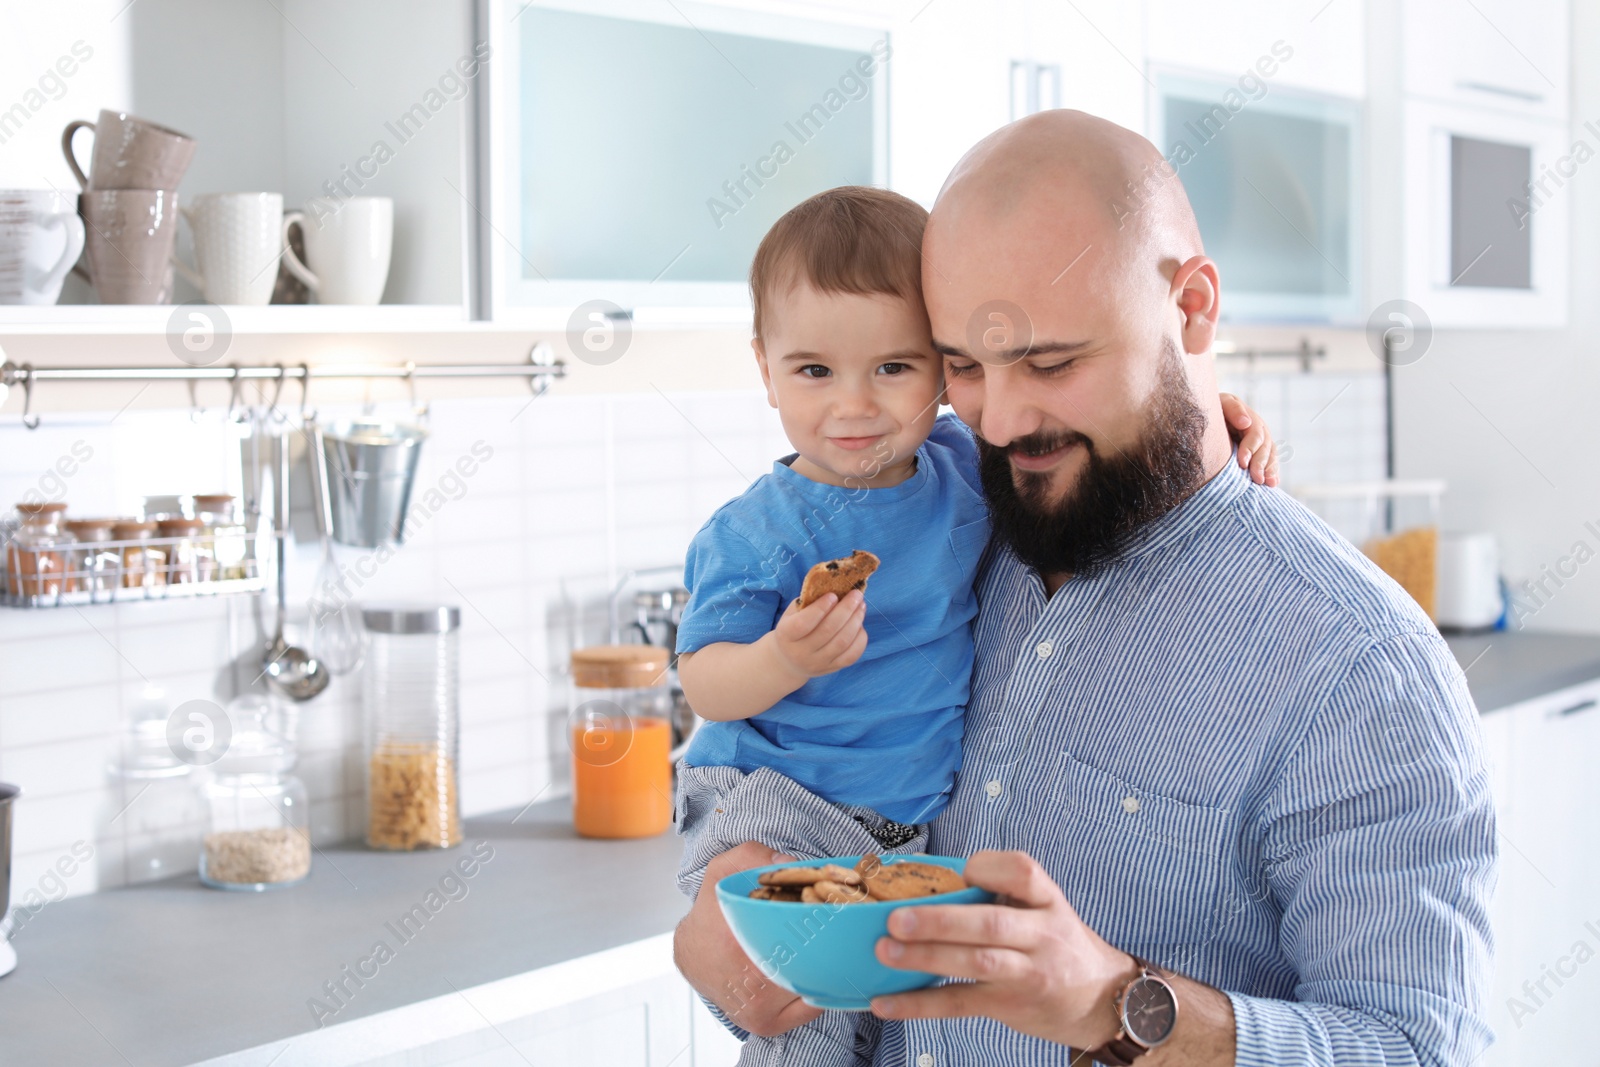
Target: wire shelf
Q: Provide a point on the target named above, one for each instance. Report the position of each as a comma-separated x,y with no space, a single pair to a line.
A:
78,573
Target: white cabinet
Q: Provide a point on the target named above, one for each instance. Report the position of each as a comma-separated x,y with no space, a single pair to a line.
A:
1508,55
1326,41
1547,905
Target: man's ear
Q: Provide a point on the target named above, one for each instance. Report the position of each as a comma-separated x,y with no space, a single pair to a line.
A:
766,373
1197,291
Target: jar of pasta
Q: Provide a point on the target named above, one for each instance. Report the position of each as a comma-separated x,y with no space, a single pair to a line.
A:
411,692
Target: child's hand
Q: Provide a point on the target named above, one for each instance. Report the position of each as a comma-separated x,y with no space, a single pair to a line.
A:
1258,453
827,636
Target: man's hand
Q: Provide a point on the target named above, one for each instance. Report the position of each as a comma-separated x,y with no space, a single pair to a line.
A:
1036,966
1258,453
714,964
827,635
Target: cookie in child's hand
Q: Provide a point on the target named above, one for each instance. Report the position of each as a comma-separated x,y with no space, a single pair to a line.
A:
838,576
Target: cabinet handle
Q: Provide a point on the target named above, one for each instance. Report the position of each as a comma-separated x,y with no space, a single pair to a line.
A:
1500,90
1578,708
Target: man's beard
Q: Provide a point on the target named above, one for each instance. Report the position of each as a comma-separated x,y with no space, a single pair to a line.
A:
1114,496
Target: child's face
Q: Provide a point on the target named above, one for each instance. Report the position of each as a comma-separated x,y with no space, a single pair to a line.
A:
855,381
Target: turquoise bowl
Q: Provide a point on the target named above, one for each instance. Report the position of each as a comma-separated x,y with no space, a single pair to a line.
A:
824,952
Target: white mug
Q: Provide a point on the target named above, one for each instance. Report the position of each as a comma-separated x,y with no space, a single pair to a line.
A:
238,239
41,237
347,247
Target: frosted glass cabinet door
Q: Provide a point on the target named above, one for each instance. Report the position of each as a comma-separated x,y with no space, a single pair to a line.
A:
641,151
1271,175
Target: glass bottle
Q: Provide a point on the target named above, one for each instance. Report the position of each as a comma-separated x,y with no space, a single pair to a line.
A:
143,564
411,691
224,531
189,556
163,817
35,559
91,567
258,836
621,735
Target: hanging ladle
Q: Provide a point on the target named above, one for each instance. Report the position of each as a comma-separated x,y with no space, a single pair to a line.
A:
289,670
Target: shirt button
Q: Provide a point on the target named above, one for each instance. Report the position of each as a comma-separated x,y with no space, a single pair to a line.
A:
992,788
1130,805
925,1060
1044,648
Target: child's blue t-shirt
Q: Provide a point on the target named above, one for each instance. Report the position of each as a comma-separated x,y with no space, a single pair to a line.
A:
885,732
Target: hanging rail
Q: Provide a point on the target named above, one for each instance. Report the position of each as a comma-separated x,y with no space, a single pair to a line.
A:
541,369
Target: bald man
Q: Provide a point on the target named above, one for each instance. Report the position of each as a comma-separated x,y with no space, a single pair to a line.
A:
1264,844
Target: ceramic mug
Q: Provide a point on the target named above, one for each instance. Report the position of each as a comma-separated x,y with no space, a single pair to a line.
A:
238,238
129,153
131,233
41,237
347,246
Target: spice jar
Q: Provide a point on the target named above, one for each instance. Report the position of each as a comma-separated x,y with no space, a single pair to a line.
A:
189,556
621,734
259,812
35,559
143,564
411,690
224,532
157,508
91,567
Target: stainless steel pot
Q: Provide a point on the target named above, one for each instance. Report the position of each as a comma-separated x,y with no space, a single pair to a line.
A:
8,794
371,466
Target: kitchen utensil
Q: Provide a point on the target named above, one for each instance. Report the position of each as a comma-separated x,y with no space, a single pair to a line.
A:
1470,596
336,633
238,238
8,955
411,689
348,244
41,237
129,153
836,966
131,234
621,735
371,466
289,670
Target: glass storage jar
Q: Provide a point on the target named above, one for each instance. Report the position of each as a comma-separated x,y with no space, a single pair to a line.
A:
411,692
35,559
90,566
258,836
223,531
143,564
189,555
164,818
620,728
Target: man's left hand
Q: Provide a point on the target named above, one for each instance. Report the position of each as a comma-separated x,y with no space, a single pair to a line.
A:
1032,963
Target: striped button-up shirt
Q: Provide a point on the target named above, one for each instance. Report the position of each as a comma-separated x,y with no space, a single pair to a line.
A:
1246,755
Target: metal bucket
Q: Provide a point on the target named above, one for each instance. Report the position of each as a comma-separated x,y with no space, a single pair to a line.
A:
370,469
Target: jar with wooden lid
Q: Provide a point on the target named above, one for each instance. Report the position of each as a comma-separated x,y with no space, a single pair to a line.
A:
143,564
189,555
35,558
224,532
620,729
91,567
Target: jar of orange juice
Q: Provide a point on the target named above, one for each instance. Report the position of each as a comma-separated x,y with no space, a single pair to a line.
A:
621,734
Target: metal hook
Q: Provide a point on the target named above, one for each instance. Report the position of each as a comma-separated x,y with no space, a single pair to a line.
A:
305,389
419,410
277,394
235,385
28,420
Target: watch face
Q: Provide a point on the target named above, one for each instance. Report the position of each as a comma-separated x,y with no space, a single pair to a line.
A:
1149,1011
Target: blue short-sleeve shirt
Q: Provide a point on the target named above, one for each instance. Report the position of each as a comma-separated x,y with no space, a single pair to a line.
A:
884,732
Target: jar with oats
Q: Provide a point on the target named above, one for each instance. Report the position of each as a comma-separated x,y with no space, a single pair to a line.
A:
259,834
411,692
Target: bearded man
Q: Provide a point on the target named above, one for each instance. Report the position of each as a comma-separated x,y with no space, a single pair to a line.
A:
1266,843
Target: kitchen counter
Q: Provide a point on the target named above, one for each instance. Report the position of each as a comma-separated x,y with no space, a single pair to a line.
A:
171,973
1506,668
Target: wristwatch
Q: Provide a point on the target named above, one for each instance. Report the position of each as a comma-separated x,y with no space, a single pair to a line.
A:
1147,1007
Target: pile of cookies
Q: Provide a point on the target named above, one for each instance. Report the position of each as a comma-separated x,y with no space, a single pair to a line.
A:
871,879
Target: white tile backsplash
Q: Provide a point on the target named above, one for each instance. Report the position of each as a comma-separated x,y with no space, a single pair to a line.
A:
574,489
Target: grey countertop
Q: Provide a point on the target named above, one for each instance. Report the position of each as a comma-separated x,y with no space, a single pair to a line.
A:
1505,668
171,972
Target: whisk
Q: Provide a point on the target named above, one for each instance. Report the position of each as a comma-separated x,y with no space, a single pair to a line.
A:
337,637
